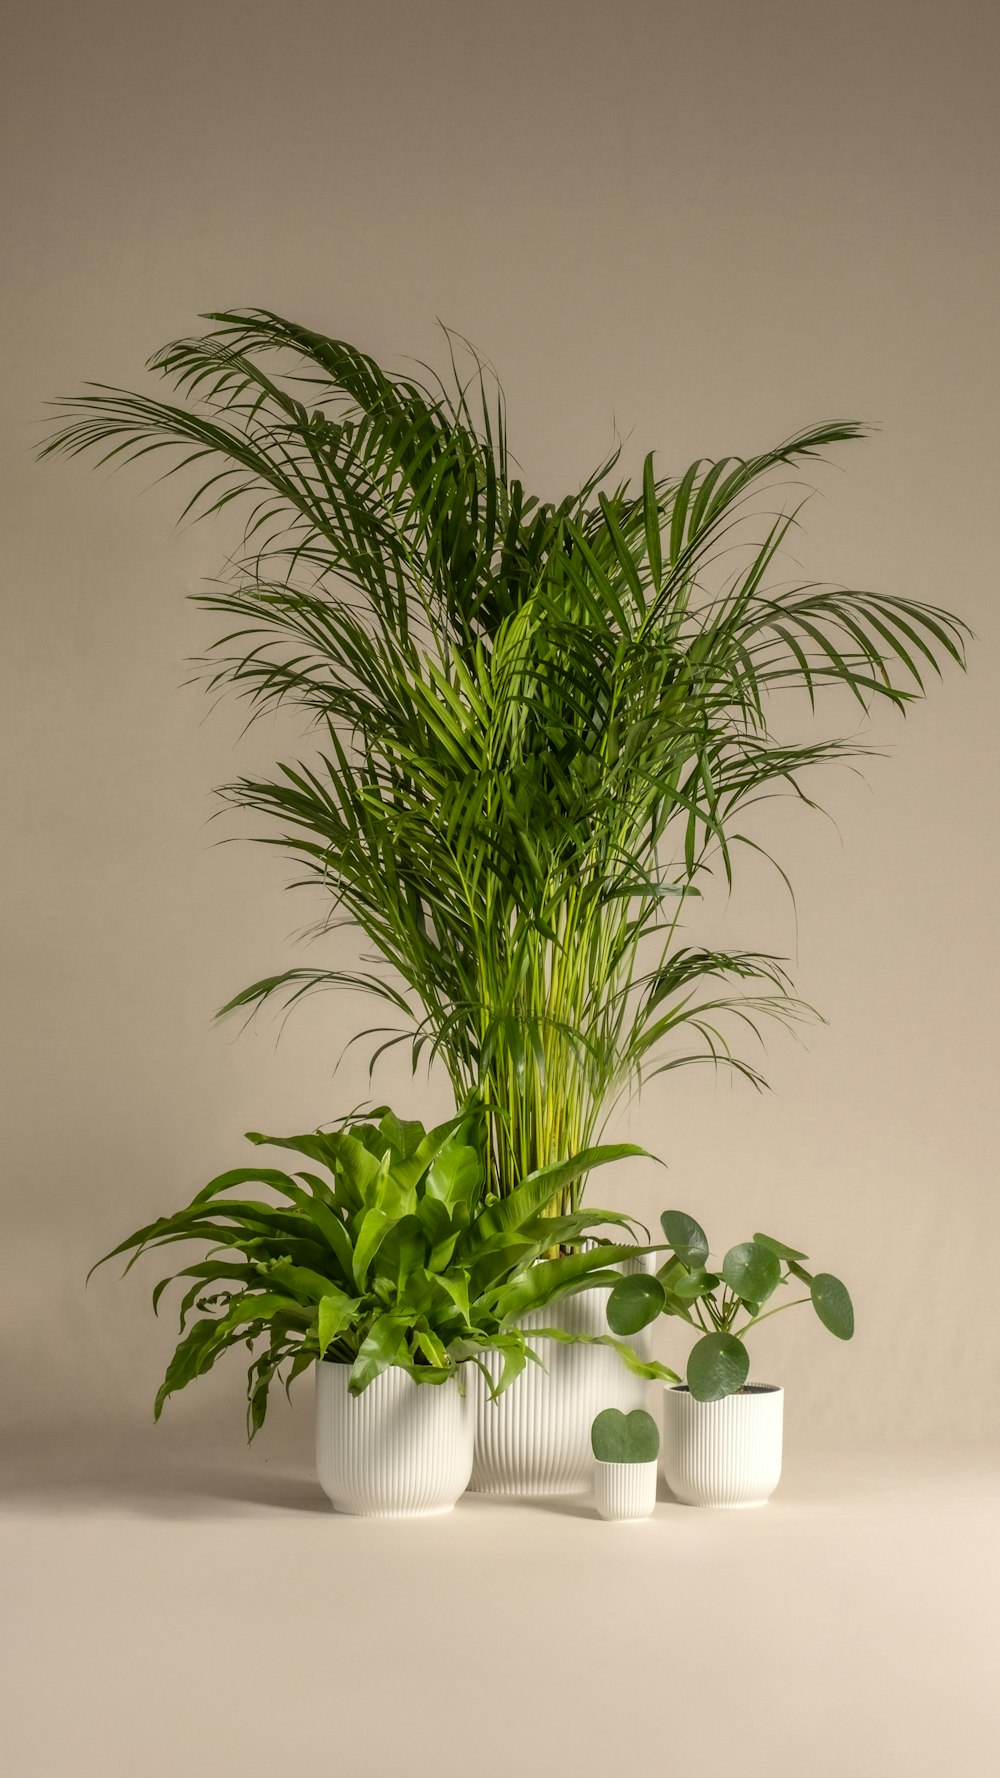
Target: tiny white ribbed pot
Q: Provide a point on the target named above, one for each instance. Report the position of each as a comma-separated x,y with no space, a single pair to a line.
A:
399,1450
536,1438
625,1491
723,1453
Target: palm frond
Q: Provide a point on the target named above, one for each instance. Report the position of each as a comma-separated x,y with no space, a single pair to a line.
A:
536,725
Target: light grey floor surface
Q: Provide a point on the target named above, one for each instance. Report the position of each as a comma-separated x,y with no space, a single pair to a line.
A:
168,1616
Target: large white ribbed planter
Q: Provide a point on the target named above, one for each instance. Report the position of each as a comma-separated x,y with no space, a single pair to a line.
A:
536,1438
400,1450
625,1491
723,1453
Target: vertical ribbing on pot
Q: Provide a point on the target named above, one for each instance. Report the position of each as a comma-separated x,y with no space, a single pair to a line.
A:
723,1453
398,1450
625,1491
536,1438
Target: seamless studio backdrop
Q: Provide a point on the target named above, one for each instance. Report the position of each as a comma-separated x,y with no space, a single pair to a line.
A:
707,226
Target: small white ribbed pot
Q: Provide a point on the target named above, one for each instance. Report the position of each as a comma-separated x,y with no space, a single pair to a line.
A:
400,1450
625,1491
723,1453
536,1438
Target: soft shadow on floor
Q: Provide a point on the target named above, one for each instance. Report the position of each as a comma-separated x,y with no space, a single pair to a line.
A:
124,1481
573,1506
132,1473
138,1476
178,1486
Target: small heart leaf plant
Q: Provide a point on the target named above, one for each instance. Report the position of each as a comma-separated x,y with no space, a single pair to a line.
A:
723,1304
625,1438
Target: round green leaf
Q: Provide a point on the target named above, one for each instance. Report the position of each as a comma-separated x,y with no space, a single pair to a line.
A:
779,1247
687,1237
689,1286
634,1302
718,1365
751,1271
833,1305
625,1438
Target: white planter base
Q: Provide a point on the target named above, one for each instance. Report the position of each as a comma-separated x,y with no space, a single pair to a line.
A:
536,1439
723,1453
400,1450
625,1492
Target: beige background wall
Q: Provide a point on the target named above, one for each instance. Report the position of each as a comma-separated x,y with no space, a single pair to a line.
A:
710,224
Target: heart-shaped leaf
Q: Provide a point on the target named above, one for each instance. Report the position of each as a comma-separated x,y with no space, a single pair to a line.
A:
634,1302
625,1438
717,1366
687,1237
833,1305
751,1271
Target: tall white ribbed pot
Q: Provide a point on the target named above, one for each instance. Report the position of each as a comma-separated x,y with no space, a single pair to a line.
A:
723,1453
400,1450
536,1438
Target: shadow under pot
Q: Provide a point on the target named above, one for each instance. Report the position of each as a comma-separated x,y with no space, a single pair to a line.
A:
723,1453
399,1450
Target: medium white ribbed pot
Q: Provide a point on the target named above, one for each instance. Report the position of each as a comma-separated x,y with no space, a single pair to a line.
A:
400,1450
536,1438
723,1453
625,1491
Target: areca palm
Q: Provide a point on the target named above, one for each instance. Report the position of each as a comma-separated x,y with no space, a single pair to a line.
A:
536,725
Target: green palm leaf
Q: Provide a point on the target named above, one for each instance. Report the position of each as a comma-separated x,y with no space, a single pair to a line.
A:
537,724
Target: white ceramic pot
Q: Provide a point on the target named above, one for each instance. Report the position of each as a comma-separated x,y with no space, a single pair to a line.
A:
625,1491
400,1450
536,1438
723,1453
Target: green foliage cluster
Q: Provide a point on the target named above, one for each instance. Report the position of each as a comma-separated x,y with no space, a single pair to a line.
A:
625,1438
538,723
724,1304
394,1253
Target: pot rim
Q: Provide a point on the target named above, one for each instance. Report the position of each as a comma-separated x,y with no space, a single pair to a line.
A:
338,1364
748,1389
643,1463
